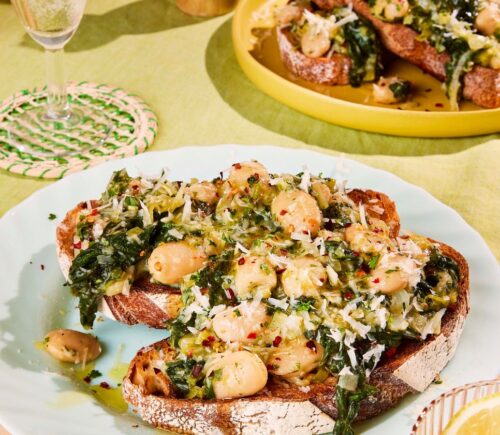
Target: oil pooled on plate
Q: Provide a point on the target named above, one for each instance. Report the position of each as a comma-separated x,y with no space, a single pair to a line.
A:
428,93
105,388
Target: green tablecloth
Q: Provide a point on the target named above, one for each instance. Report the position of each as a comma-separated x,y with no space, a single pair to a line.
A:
185,69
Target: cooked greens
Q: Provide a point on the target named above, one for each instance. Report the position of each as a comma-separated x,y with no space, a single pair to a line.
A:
401,90
364,50
103,263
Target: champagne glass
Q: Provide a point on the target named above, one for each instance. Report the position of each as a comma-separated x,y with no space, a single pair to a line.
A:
55,119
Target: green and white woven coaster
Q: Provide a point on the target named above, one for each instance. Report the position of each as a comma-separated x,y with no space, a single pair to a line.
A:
134,127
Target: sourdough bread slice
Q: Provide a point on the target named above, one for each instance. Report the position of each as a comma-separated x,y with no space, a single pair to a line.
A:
155,304
481,85
146,303
333,70
282,408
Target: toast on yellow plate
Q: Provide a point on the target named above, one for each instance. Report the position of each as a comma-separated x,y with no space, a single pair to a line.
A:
338,42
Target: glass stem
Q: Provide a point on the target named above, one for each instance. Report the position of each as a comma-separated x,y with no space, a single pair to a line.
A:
57,99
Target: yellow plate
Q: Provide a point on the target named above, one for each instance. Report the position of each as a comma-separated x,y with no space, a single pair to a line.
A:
346,113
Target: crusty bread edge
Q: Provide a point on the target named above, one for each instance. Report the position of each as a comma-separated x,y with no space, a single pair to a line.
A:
332,70
65,233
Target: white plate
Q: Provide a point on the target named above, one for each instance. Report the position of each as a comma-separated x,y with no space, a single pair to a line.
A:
36,399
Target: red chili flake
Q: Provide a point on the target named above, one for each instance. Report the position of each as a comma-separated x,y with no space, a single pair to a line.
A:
277,341
252,336
208,341
377,230
256,176
283,212
42,266
389,353
77,245
237,166
304,232
241,261
231,293
312,345
93,212
105,385
356,254
376,281
86,379
348,295
439,105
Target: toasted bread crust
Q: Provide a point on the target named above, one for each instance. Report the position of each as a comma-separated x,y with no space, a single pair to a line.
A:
155,304
332,70
375,203
282,408
147,303
481,85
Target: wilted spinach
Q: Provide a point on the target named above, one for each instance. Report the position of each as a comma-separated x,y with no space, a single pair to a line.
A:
364,50
103,262
212,277
401,90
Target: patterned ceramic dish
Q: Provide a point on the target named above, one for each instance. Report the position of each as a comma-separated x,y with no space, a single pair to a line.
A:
434,417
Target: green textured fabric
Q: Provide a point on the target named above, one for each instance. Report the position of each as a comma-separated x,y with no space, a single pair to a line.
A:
186,70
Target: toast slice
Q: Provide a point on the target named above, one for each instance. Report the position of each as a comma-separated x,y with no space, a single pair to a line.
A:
146,303
310,51
333,70
481,85
154,304
282,408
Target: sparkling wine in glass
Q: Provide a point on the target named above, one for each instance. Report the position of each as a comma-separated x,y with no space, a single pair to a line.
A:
52,23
